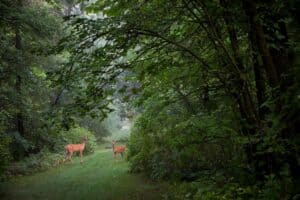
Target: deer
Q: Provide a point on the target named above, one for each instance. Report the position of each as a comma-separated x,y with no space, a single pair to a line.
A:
118,149
71,148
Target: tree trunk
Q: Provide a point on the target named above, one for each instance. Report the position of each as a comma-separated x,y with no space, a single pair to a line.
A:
272,73
227,16
260,81
18,85
260,89
244,90
279,51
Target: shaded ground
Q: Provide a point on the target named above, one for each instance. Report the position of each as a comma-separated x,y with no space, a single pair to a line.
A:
100,177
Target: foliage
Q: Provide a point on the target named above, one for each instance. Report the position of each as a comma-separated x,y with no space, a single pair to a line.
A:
27,30
33,163
216,186
5,155
45,158
31,115
216,85
75,136
96,126
213,81
185,145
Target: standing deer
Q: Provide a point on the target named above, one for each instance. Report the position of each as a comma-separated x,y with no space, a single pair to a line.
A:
71,148
118,149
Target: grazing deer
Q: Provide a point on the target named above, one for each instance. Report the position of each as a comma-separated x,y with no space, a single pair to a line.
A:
118,149
71,148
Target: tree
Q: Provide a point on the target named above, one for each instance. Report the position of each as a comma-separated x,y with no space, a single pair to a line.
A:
27,29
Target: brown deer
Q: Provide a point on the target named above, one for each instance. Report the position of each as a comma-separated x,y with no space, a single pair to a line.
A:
71,148
118,149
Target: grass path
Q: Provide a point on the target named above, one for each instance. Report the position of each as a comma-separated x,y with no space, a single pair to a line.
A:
100,177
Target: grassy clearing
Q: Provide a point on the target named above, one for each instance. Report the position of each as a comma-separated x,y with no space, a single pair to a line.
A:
100,177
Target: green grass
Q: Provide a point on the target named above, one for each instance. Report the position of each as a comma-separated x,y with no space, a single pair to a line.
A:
100,177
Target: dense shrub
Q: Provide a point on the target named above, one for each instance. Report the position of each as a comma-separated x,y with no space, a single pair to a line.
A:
46,158
175,145
35,163
204,154
5,155
75,136
216,186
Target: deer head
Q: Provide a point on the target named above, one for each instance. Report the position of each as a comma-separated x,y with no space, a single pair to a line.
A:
84,139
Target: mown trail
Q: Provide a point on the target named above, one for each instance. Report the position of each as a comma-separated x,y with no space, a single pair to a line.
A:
100,177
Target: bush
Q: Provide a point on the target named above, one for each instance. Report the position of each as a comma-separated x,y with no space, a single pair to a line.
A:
5,155
46,158
139,147
179,146
75,136
221,185
35,163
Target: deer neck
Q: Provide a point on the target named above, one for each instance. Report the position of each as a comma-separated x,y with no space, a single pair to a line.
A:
83,144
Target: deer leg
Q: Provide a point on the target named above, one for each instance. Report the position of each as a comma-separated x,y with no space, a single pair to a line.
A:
81,161
70,157
66,156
